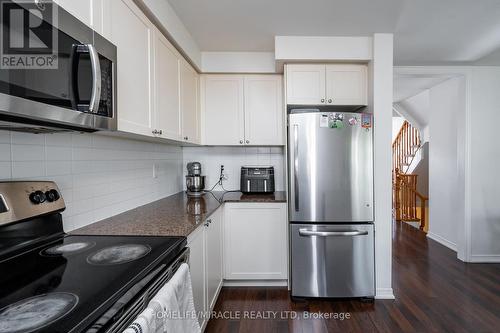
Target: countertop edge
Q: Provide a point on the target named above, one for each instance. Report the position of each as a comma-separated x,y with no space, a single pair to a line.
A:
181,223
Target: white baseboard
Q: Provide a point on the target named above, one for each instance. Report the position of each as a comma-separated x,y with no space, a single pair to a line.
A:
384,293
485,258
442,241
255,283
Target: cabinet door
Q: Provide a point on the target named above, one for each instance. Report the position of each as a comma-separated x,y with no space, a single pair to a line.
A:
166,79
190,104
263,110
223,110
346,84
305,84
196,244
214,258
132,33
255,237
81,9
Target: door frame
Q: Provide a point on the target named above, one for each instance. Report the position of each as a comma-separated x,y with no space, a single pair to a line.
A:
463,244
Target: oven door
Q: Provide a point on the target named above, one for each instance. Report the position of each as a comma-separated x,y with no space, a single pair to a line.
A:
73,90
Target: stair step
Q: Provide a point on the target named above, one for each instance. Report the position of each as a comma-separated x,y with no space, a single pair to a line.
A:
410,155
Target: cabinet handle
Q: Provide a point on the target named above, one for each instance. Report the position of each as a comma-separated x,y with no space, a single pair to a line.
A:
322,100
248,141
155,132
329,101
186,138
206,224
160,132
209,221
241,142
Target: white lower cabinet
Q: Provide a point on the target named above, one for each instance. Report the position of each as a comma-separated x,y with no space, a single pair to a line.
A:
196,244
213,258
205,264
255,241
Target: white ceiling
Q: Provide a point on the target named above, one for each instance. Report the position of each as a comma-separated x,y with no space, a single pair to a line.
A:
425,31
406,85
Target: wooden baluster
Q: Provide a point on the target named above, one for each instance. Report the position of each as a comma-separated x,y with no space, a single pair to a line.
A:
422,214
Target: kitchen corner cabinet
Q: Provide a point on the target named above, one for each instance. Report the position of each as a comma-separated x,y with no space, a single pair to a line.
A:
255,241
242,110
205,263
333,84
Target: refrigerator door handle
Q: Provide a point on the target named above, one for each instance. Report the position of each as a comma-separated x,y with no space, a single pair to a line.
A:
305,233
296,166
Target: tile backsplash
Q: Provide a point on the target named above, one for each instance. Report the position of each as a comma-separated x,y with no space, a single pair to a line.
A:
99,176
233,158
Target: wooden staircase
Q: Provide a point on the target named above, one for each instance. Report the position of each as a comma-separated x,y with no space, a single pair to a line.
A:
408,204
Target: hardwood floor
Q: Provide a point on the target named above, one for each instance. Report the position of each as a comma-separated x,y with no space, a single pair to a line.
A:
435,292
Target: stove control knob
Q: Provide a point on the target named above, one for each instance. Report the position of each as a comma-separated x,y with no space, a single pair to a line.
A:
52,195
37,197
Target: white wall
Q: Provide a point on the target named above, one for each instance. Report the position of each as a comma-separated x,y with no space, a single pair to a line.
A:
238,62
418,107
485,161
321,48
233,158
98,176
446,198
397,122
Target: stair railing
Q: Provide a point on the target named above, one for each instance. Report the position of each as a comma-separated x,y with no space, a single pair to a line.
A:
405,194
405,146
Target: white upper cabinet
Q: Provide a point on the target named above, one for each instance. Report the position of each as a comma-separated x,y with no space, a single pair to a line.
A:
305,84
346,84
190,109
89,12
167,90
242,110
319,84
263,110
81,9
132,33
158,91
222,105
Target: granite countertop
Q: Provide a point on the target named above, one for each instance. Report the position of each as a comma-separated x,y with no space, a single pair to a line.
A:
176,215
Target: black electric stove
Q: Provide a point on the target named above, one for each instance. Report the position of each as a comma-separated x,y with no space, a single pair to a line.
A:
59,283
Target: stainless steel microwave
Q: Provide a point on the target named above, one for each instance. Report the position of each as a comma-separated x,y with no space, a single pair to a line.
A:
78,93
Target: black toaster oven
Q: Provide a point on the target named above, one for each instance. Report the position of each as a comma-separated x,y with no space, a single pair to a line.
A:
257,179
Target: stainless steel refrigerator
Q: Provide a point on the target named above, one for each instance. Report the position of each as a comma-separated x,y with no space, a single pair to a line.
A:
331,203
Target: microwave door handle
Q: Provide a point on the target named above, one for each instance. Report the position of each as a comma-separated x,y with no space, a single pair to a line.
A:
74,59
95,97
296,166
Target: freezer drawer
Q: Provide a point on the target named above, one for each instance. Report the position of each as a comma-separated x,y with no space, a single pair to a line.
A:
332,260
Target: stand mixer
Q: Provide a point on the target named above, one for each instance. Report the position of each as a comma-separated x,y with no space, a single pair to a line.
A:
195,182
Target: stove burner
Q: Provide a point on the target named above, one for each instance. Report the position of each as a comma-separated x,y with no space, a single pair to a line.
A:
31,314
118,254
67,248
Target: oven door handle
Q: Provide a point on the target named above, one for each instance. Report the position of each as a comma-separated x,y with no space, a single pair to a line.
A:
95,96
305,232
